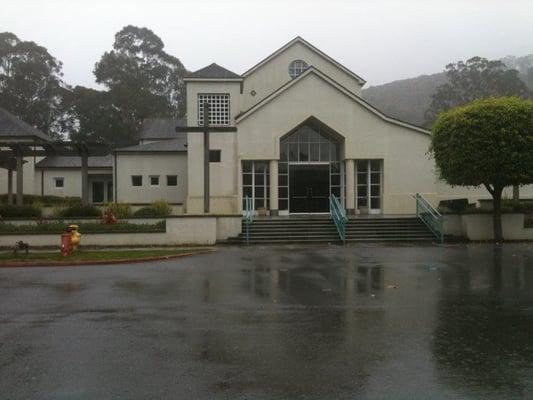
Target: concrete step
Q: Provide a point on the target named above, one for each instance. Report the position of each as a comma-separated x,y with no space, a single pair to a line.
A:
323,230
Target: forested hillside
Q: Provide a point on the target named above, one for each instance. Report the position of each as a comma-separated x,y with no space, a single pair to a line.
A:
408,99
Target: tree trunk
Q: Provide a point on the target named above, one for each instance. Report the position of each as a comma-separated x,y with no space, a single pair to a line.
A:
497,214
516,193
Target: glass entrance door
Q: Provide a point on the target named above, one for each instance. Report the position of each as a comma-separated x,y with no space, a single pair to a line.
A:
309,188
369,186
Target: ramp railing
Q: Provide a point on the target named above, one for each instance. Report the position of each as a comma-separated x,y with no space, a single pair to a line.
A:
248,216
429,216
338,215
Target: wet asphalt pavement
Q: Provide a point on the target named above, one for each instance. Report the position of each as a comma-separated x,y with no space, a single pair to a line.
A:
363,322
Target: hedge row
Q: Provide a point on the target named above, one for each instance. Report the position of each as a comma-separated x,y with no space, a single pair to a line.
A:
461,206
45,201
84,227
26,211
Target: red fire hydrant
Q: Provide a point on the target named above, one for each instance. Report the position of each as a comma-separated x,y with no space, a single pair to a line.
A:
66,244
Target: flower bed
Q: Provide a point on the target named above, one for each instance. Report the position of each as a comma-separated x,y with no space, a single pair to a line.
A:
84,227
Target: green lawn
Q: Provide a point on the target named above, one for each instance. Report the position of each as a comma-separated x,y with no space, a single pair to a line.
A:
96,255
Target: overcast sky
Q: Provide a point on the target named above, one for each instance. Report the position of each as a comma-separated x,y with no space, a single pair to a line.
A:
381,40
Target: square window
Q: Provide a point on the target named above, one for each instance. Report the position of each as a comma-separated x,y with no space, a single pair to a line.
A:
214,155
218,108
247,191
59,182
247,179
154,180
136,180
172,180
247,166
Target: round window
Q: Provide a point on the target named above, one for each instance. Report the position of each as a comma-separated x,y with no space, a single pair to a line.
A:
297,67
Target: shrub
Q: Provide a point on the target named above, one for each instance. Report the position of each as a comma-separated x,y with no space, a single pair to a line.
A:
79,211
119,210
454,205
162,208
148,212
157,209
26,211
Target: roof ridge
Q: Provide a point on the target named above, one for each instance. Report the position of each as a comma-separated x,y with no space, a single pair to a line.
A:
312,48
213,71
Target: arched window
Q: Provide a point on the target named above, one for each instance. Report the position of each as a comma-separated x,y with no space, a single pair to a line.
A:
297,67
309,143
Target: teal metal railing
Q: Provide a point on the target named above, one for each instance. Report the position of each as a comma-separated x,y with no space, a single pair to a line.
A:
248,216
429,216
338,215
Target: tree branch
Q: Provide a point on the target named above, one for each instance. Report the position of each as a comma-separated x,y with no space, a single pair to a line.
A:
490,189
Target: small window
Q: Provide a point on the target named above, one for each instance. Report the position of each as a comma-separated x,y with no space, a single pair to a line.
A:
136,180
172,180
297,67
214,155
59,183
154,180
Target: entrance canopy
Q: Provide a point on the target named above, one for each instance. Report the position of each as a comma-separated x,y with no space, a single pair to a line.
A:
19,139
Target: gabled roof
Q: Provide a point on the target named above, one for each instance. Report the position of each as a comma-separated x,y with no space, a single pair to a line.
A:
15,128
176,145
215,72
74,162
301,40
339,87
161,128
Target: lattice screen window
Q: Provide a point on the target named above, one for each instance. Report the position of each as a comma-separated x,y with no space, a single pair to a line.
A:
218,108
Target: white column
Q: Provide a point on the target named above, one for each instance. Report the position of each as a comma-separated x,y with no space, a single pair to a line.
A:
20,179
274,207
350,187
10,186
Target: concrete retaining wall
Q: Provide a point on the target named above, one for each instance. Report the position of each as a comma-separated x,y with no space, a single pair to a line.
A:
183,230
479,226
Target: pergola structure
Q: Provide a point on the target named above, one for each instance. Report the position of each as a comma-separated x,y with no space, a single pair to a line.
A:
19,139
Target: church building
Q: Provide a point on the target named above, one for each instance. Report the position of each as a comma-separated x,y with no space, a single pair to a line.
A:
296,132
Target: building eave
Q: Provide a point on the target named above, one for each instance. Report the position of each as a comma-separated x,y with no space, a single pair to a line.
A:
299,39
213,79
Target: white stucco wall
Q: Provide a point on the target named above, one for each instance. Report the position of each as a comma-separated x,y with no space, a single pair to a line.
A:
194,88
275,73
366,136
29,182
147,164
223,175
72,181
197,230
480,227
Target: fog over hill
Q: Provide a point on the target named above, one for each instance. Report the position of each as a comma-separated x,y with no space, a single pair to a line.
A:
408,99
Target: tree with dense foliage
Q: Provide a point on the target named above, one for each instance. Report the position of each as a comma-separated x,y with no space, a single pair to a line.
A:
31,85
477,78
143,81
98,120
488,142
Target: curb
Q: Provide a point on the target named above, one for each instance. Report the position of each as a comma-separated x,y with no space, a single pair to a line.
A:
25,264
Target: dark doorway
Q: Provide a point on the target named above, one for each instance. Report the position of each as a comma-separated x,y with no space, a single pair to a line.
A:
309,188
98,192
